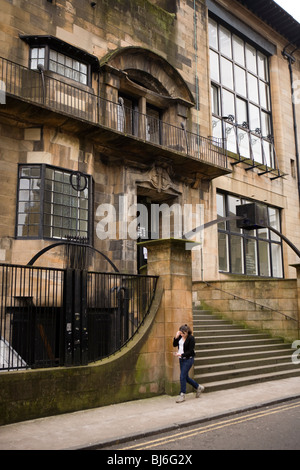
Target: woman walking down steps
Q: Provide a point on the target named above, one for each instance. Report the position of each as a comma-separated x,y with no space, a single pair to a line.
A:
185,342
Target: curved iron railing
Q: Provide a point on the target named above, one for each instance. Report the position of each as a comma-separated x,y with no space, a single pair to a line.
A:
42,326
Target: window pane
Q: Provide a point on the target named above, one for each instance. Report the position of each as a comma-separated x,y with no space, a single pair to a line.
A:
240,80
277,260
231,137
251,257
264,258
53,55
274,218
264,95
236,254
251,58
254,117
241,109
217,128
60,58
243,141
32,231
24,183
256,148
226,73
238,50
267,153
228,103
60,69
213,34
83,78
262,66
214,66
34,53
221,211
225,42
28,217
232,203
265,124
52,66
252,88
223,252
69,62
83,69
263,233
215,100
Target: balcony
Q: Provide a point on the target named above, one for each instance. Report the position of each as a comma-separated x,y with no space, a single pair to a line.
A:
118,131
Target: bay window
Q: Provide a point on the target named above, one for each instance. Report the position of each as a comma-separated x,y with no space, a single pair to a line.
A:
59,63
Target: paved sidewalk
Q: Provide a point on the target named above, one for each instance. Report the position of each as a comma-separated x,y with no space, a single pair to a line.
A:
111,424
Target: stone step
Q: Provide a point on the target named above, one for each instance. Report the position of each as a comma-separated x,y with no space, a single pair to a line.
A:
206,360
249,380
216,327
207,316
214,342
239,364
229,355
244,372
228,335
209,349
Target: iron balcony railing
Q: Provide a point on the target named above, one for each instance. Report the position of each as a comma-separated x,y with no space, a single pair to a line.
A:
39,88
40,326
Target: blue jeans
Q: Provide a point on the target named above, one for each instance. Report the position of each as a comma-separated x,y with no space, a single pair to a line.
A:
185,365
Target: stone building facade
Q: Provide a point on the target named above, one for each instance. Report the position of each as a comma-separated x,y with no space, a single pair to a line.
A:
114,112
134,121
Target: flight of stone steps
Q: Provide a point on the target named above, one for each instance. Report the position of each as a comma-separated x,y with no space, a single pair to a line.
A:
229,355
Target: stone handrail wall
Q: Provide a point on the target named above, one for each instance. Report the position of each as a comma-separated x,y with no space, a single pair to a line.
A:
270,305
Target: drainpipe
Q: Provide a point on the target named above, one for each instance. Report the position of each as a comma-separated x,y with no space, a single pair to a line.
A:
41,69
291,60
196,72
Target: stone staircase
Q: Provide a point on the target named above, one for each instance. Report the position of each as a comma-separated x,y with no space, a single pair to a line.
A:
229,355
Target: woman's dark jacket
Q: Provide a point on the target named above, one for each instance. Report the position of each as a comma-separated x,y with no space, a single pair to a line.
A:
188,346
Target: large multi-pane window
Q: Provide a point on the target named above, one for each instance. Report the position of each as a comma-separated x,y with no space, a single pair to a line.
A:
49,205
253,252
240,93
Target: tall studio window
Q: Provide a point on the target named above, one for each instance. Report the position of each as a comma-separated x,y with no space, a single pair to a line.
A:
252,252
48,205
59,63
240,90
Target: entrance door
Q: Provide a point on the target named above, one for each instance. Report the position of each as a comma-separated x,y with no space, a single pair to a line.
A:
156,219
144,229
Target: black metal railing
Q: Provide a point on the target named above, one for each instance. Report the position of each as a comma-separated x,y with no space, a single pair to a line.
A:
31,302
117,306
40,328
40,88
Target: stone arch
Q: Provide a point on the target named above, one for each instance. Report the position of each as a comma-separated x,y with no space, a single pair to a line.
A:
150,70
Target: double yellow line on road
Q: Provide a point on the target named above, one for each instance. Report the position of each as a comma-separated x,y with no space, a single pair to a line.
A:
211,427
